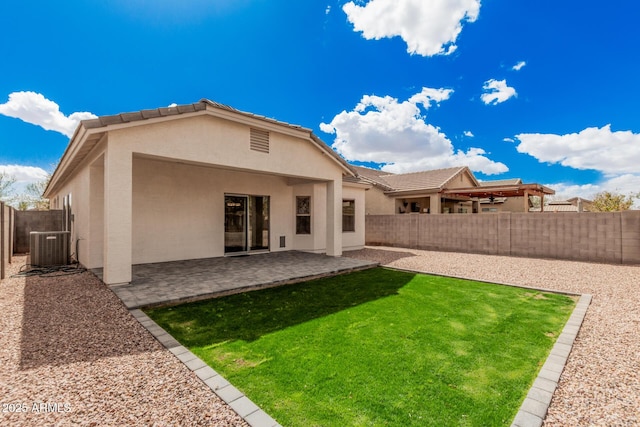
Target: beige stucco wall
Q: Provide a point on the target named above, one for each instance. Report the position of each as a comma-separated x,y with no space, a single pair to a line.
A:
512,204
377,203
178,210
85,187
215,141
463,180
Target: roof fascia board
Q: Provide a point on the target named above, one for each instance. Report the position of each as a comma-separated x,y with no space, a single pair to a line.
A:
63,169
356,185
79,135
136,123
426,192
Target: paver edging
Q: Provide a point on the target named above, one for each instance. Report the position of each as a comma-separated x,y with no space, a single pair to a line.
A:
536,404
236,400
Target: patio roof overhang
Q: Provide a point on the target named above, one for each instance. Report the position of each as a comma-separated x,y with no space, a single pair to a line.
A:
517,190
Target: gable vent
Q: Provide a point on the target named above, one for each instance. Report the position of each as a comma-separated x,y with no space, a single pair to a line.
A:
259,140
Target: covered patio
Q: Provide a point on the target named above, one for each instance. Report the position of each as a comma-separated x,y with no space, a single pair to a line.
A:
492,191
176,282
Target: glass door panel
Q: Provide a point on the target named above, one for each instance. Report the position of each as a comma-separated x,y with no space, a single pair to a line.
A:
235,224
258,223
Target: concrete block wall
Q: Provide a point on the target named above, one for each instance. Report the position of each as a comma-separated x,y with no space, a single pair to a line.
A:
630,240
6,237
478,233
28,221
598,237
392,230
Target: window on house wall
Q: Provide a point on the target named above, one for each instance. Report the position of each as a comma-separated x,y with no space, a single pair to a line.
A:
303,215
348,215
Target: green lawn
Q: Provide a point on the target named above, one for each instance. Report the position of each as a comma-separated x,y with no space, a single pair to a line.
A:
377,348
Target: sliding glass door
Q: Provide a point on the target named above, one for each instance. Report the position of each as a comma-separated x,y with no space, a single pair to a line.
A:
246,223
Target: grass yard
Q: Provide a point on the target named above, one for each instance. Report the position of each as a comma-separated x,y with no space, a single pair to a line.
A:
377,348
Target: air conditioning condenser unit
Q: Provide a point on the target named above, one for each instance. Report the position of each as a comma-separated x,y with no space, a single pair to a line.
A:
49,248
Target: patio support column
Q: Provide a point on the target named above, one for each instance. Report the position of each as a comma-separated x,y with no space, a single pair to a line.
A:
526,202
118,187
334,218
435,207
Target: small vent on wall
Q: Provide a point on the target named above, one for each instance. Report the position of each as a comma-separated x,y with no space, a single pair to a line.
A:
259,140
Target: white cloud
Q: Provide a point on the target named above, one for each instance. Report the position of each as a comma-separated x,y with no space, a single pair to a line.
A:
509,140
429,27
497,91
519,66
34,108
613,153
384,130
468,133
327,10
24,175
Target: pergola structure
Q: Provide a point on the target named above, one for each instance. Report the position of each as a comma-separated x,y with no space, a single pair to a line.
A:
491,191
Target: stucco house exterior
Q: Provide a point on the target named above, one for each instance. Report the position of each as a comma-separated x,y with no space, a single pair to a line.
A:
444,191
198,181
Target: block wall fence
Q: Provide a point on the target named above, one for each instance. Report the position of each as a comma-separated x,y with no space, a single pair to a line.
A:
611,237
6,237
28,221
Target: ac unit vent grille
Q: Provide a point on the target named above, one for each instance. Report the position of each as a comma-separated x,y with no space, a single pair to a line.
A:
49,248
259,140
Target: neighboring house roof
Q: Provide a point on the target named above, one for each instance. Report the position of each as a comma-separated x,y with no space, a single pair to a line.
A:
89,132
556,208
438,181
433,180
569,205
373,176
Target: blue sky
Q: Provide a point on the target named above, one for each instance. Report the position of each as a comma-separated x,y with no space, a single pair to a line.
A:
543,90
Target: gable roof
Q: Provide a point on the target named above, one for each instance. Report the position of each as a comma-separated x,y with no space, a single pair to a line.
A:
432,180
89,132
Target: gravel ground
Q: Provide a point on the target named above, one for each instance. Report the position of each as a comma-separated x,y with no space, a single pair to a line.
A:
71,354
600,385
